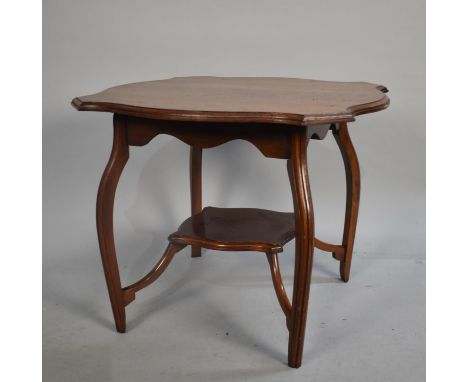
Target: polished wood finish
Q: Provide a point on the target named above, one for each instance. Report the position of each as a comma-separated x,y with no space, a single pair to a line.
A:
236,229
279,117
153,275
290,101
104,219
278,285
353,191
338,251
304,224
271,141
196,187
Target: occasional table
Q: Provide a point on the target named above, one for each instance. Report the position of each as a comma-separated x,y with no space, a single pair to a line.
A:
279,116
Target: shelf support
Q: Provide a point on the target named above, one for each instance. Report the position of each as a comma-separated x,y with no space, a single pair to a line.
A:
338,251
153,275
278,285
196,187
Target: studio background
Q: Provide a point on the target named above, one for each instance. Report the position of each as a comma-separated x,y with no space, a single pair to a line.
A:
217,317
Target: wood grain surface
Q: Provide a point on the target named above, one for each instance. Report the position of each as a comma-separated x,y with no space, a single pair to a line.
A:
237,229
240,99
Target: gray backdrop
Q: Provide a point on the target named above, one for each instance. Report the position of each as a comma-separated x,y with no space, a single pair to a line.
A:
217,318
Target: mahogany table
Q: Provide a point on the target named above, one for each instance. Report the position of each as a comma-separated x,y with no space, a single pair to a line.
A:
277,115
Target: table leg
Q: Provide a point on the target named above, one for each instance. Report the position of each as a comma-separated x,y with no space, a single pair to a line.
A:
104,219
353,187
304,225
196,187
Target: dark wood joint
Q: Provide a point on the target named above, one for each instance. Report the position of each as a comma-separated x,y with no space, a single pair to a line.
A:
128,296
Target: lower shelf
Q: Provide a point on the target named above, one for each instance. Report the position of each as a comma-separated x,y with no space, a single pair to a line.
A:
237,229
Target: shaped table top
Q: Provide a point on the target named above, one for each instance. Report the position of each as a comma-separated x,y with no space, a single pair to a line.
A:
290,101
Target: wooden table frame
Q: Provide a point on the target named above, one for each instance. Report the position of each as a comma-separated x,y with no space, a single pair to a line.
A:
279,116
289,143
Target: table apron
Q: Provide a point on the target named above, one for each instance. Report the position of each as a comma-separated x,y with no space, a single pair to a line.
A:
273,141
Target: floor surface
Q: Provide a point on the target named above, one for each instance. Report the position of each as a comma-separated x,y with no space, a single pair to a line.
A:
216,318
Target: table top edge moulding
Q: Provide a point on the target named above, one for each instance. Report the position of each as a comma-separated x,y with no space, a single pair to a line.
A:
271,100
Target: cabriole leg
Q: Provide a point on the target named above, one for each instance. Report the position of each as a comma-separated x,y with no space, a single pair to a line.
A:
104,219
304,224
353,189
